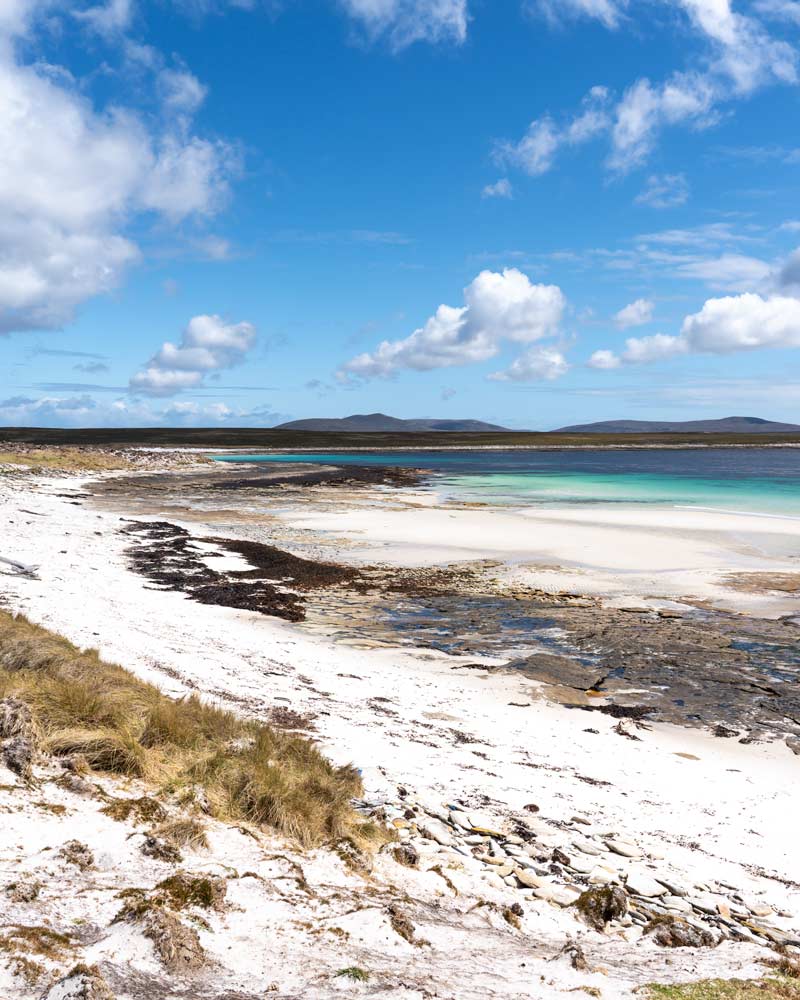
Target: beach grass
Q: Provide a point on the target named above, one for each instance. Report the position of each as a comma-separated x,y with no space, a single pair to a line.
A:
103,716
64,459
779,987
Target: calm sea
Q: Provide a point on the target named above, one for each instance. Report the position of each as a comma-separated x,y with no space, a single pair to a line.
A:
758,480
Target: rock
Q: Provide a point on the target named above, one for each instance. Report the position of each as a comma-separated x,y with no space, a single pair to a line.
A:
437,831
675,887
581,865
587,847
677,903
505,870
641,884
15,719
160,850
460,819
558,894
600,875
18,756
83,983
177,946
600,906
23,892
705,903
574,953
675,932
623,848
406,855
492,879
757,907
531,880
483,824
78,854
476,838
583,820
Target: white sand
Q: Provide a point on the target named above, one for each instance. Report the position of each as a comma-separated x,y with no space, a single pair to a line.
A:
625,553
733,801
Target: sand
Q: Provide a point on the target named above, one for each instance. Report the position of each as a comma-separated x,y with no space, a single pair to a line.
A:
714,809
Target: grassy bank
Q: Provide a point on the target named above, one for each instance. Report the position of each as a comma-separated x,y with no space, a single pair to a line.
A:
82,706
61,459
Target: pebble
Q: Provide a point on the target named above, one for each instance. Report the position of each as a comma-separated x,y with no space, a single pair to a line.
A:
675,887
494,880
678,904
581,865
460,819
505,870
705,902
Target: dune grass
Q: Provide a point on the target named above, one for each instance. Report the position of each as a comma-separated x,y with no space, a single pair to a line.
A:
64,459
87,708
771,988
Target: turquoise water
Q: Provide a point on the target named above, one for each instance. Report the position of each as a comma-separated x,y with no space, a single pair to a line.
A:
757,480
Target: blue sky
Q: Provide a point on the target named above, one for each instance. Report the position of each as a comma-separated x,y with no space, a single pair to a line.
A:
524,211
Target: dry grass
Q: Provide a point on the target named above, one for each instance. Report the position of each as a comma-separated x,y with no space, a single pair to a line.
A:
184,831
64,459
248,771
777,988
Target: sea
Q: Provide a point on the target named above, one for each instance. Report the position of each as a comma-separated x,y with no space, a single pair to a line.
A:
752,480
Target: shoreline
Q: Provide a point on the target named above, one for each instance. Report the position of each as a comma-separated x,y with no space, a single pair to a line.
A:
428,721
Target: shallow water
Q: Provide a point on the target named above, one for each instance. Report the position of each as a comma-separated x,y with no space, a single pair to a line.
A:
755,480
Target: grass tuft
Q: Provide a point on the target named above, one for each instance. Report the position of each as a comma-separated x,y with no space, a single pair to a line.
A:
353,972
85,708
777,988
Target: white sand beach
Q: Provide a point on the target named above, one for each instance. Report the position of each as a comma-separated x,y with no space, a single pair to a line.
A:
705,811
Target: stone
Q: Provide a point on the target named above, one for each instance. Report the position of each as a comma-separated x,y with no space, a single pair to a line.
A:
483,824
531,880
599,907
623,848
582,865
757,907
460,819
588,847
435,830
476,838
677,903
406,855
705,903
675,887
78,854
83,983
641,884
493,879
504,870
601,875
18,756
675,932
177,946
24,891
560,895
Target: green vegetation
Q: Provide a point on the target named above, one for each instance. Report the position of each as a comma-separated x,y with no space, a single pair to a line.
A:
780,987
103,716
353,972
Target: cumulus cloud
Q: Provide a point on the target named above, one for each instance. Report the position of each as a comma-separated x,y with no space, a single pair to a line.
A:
534,365
403,22
608,12
664,191
497,307
500,189
723,326
207,345
72,177
636,314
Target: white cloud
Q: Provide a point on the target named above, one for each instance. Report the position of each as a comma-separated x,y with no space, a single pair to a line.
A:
536,364
109,19
71,178
743,322
664,191
403,22
723,326
730,272
536,151
781,10
636,314
500,189
741,58
207,345
604,360
608,12
498,307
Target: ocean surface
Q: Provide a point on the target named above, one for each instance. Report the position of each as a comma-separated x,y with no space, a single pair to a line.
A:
756,480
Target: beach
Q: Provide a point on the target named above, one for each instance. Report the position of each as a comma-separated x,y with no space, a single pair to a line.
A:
449,726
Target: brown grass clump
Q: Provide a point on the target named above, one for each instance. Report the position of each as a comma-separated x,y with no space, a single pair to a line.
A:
83,707
184,831
66,459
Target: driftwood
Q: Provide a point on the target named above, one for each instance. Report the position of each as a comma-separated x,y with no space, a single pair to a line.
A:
21,568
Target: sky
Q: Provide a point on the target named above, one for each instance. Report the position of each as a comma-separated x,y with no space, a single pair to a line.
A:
532,212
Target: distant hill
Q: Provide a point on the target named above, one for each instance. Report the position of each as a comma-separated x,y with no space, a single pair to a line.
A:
379,422
727,425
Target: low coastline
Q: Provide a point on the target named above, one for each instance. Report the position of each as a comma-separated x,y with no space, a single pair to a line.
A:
397,711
